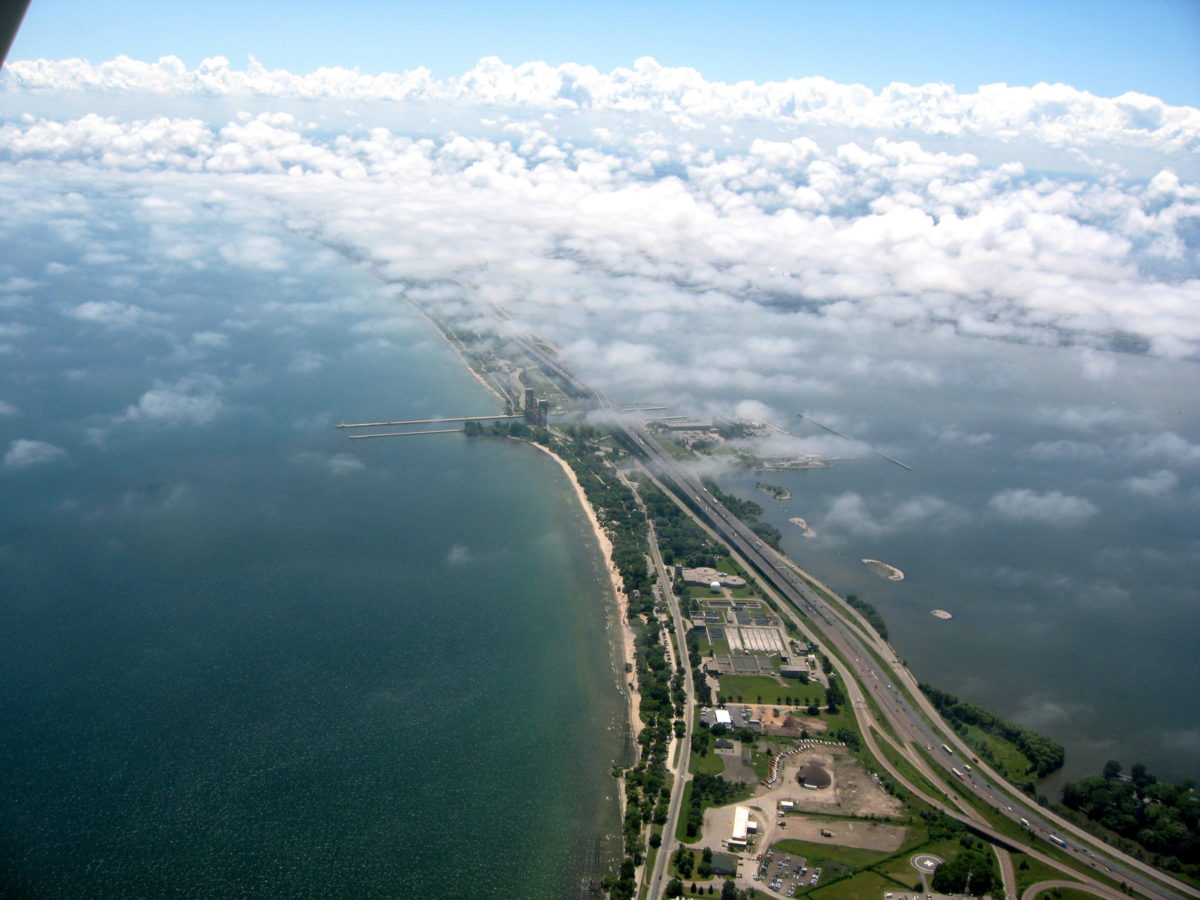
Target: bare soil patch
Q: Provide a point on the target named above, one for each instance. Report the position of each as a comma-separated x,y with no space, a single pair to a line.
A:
863,835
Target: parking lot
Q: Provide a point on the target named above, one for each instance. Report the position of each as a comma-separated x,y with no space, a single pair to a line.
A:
785,874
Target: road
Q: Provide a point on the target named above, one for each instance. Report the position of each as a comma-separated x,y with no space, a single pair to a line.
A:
907,711
657,879
918,725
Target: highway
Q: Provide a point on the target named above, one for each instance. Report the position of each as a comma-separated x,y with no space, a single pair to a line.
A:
923,727
909,713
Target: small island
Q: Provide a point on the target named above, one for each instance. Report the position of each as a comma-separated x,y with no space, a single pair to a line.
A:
883,570
802,524
779,493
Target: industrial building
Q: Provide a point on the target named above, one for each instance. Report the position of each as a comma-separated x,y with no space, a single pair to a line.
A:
743,826
705,576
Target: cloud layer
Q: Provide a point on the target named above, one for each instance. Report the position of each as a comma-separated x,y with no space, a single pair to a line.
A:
1054,113
552,216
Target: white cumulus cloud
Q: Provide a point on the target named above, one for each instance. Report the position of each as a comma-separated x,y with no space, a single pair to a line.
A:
344,464
1049,508
189,401
23,453
851,512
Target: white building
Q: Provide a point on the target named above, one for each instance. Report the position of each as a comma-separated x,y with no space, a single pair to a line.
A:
741,827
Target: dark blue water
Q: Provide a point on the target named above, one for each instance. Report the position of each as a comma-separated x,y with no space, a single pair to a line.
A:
241,656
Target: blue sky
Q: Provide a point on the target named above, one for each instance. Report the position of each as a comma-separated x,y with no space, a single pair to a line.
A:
1102,46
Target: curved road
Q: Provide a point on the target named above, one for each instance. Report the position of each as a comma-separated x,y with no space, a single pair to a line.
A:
925,726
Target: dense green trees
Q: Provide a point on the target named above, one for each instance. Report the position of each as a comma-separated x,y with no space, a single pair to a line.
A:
972,871
710,790
1164,818
870,613
1044,755
833,697
680,539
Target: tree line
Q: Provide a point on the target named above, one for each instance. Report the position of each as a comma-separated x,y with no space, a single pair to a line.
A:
870,613
1044,754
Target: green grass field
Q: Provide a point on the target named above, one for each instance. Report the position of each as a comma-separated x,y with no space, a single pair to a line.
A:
850,858
707,765
862,886
900,871
1012,763
1034,871
909,771
681,825
773,691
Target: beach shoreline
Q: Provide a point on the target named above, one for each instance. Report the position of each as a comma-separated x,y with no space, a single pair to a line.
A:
628,652
628,657
459,350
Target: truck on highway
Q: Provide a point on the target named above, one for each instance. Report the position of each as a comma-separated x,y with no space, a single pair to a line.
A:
947,748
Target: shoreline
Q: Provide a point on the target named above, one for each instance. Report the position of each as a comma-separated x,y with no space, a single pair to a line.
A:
628,652
803,525
458,348
633,697
884,570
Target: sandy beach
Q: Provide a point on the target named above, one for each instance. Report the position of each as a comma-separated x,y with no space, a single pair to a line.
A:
627,647
627,637
458,348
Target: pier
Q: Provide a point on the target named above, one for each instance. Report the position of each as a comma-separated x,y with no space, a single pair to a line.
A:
423,422
359,437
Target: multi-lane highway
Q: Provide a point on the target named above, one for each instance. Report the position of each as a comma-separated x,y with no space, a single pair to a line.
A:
871,669
907,710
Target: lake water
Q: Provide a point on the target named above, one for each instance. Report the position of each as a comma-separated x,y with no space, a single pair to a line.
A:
242,656
1054,513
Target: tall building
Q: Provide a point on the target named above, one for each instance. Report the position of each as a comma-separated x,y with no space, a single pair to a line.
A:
536,411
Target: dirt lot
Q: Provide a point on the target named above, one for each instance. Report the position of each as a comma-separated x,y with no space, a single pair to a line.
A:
865,835
852,793
786,721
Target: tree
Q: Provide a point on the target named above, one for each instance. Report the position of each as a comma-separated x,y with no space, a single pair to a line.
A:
972,871
1112,769
1141,777
674,888
729,891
